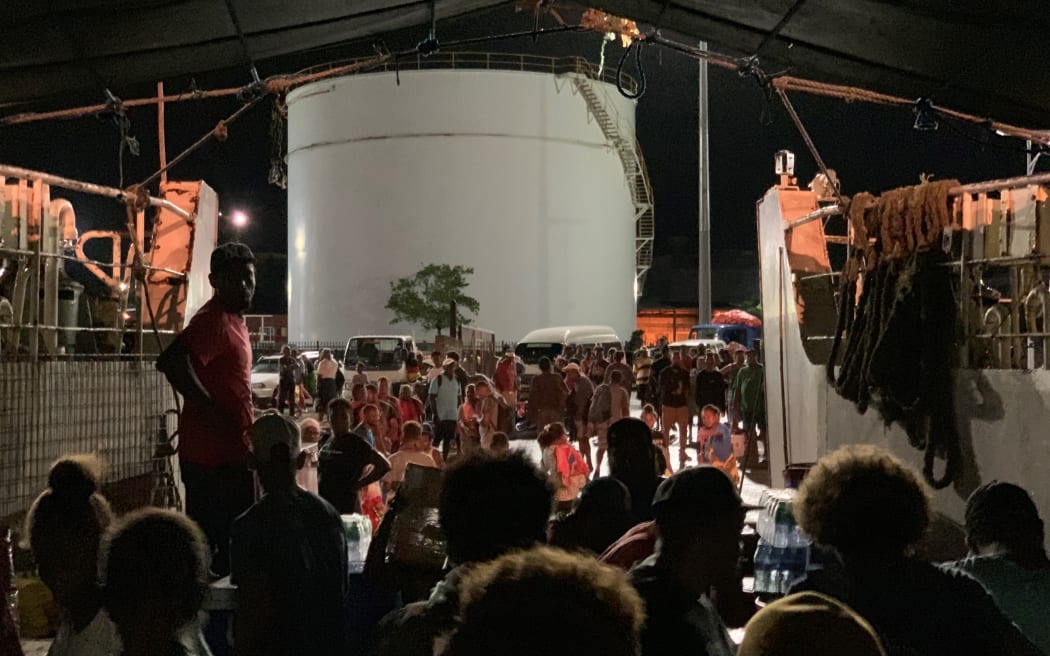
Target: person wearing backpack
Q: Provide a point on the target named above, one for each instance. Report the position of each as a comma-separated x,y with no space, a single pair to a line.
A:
445,393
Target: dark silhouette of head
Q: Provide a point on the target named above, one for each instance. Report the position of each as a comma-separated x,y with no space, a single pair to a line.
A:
491,504
1003,516
862,500
631,450
155,572
502,604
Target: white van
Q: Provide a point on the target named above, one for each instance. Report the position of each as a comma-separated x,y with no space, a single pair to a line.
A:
382,356
549,342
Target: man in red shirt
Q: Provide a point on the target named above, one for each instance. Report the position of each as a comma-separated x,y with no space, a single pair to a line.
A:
210,366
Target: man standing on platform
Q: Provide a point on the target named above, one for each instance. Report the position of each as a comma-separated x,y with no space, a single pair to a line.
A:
210,366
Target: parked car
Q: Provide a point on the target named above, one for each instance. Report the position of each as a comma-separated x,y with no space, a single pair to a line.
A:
265,375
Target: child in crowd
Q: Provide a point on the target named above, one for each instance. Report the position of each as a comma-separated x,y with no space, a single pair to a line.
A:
663,455
428,445
155,572
64,530
500,442
564,464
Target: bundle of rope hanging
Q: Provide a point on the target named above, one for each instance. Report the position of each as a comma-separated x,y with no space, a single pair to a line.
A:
900,334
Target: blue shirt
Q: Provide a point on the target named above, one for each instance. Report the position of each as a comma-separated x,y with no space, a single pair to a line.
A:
718,438
447,391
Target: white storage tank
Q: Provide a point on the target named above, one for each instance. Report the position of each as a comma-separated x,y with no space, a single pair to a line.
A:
503,171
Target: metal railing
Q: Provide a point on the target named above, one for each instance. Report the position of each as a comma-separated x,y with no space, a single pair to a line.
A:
493,61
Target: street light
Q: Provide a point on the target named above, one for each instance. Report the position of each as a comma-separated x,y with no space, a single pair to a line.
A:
238,219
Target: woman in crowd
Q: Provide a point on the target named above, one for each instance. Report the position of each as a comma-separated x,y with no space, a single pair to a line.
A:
488,413
467,427
411,409
64,530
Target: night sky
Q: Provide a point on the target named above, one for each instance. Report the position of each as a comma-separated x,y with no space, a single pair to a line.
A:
872,147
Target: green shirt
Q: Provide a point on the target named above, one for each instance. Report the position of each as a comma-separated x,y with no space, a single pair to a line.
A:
749,386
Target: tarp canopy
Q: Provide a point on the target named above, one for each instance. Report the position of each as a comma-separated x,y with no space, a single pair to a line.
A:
736,318
987,59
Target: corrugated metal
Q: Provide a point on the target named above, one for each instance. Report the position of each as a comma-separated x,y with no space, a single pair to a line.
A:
49,408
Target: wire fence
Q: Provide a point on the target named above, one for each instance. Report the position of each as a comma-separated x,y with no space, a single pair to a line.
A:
114,408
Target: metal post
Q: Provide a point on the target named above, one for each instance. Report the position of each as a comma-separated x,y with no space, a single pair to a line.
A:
704,245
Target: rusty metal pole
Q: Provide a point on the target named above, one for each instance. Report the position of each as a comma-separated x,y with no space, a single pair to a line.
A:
160,134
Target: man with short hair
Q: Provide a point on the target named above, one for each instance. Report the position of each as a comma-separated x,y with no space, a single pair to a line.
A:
618,364
289,559
547,396
711,384
344,460
674,390
209,363
643,365
435,368
288,367
657,369
582,390
371,427
749,389
445,395
698,519
489,505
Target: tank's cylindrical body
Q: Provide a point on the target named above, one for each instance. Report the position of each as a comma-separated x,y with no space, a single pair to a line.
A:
502,171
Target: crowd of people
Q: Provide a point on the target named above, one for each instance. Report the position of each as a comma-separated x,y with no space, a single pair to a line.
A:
534,558
640,564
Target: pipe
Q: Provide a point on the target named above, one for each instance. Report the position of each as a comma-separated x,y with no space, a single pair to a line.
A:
88,188
830,210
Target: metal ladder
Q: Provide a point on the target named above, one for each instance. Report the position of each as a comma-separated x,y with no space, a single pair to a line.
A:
599,106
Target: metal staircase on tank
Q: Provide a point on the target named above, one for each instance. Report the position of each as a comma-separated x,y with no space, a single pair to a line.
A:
589,85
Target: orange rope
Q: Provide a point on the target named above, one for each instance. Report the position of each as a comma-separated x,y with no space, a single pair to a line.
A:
277,84
853,94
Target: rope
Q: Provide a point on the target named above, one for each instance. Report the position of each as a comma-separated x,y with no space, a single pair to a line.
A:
809,143
858,94
636,46
256,82
219,132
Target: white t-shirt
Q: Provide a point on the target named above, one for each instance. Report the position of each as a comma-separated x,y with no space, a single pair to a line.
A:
447,392
327,368
99,638
399,464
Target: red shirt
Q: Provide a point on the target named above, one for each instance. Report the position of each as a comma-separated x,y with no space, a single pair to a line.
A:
506,377
635,546
221,355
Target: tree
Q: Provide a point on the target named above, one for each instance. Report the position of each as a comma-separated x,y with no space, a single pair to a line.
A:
425,299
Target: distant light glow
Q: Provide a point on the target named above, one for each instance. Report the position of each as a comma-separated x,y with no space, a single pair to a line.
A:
239,219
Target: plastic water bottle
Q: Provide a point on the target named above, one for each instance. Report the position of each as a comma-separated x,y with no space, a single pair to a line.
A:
784,522
762,566
8,591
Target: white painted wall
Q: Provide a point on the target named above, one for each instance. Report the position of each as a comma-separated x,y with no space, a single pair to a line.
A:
499,170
